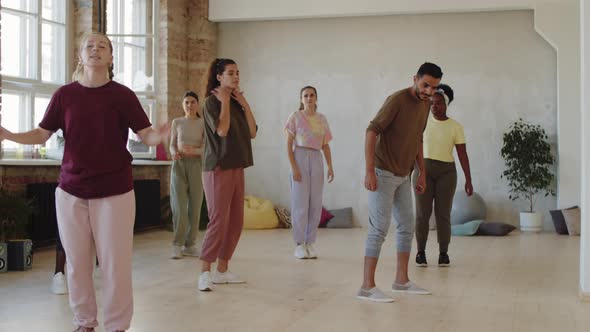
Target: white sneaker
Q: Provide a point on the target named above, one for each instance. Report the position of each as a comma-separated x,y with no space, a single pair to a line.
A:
205,281
176,252
192,251
58,284
301,252
409,288
226,277
311,253
374,294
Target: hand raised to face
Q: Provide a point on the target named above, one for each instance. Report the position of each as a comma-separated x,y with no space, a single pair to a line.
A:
239,97
222,93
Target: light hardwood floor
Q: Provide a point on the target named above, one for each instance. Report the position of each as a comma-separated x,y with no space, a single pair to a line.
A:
523,282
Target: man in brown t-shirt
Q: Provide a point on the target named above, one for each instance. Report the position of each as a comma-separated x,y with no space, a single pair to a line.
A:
393,144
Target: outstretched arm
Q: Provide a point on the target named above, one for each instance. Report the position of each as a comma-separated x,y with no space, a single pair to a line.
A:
35,136
150,136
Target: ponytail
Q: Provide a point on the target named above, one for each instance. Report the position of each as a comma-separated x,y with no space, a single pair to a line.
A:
79,72
111,74
217,67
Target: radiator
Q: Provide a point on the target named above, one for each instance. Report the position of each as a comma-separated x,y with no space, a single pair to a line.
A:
43,228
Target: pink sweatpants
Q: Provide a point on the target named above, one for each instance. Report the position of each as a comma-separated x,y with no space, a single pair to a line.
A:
102,227
224,191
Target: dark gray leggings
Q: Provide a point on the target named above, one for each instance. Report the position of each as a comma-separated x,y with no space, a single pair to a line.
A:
441,182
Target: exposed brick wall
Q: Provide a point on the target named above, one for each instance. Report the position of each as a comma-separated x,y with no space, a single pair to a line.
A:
188,43
161,173
202,45
85,19
16,178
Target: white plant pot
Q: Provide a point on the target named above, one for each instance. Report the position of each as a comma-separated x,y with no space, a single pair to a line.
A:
531,222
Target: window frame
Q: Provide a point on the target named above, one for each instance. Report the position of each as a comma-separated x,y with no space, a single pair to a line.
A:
36,86
145,97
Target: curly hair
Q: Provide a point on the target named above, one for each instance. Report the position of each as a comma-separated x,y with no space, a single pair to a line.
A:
448,91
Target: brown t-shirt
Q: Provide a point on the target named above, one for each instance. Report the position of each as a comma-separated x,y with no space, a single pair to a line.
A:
233,150
399,125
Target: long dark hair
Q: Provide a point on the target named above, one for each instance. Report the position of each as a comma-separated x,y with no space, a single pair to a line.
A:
194,95
301,92
217,67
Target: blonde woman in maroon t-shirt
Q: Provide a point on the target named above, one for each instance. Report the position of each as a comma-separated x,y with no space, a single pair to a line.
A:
95,202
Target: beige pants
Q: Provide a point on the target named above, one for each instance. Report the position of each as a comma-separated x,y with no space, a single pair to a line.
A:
101,227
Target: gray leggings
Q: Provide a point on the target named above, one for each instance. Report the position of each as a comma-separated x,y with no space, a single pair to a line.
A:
441,182
393,195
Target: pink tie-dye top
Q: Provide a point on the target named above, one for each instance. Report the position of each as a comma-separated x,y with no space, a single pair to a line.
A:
309,131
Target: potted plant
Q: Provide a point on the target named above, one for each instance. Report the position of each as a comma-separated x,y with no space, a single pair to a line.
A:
15,216
527,155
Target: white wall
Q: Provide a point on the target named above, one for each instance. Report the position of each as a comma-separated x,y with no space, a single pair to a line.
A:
499,66
585,125
239,10
558,22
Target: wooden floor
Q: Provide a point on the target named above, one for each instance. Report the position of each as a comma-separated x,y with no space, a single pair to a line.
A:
523,282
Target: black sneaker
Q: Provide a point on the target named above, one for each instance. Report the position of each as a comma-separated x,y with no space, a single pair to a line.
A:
421,259
443,259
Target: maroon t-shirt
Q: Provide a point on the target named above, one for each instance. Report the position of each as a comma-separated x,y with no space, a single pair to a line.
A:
95,123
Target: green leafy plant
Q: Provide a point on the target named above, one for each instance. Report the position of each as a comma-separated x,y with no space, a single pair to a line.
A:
15,215
529,162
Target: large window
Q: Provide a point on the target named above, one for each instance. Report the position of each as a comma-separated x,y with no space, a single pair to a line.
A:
34,62
131,26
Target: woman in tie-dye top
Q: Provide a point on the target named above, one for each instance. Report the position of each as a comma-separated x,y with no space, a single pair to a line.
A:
308,133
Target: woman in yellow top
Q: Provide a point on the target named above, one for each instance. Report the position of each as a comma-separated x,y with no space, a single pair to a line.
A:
441,135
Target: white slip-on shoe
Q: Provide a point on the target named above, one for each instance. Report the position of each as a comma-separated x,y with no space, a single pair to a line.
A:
311,252
205,282
176,252
226,277
192,251
409,288
300,252
374,294
58,284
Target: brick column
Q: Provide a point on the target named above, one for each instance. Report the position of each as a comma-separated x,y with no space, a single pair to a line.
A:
202,45
85,19
188,43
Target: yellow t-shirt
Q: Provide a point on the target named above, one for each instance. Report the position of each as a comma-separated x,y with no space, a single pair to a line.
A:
440,137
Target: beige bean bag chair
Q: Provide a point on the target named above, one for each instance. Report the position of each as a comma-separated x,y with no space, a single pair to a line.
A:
259,213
